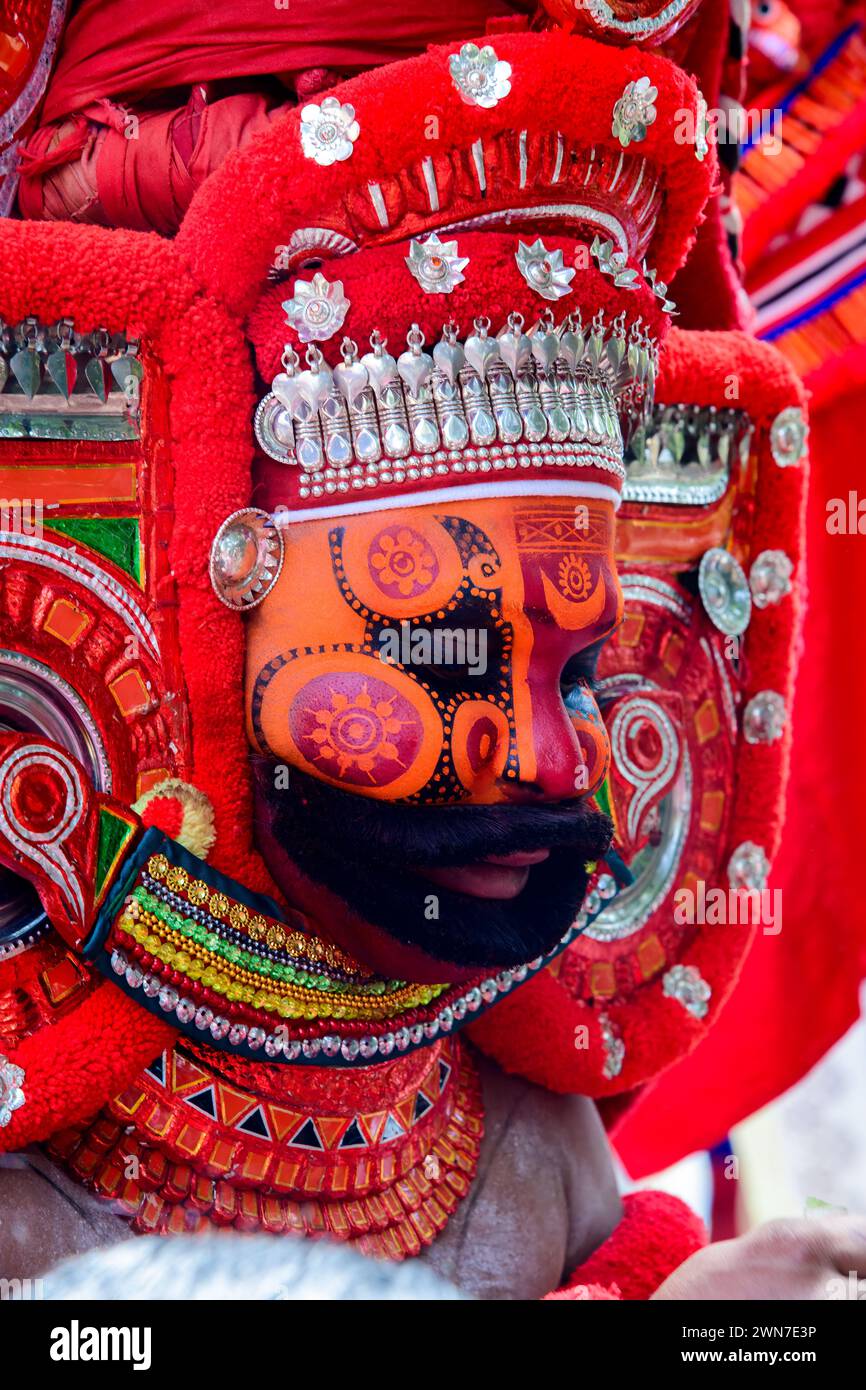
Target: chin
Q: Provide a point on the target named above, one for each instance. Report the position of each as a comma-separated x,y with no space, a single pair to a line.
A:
369,888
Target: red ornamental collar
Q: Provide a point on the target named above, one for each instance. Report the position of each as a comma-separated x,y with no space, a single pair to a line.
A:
380,1159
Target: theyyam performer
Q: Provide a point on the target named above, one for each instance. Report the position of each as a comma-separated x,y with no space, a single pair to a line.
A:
410,624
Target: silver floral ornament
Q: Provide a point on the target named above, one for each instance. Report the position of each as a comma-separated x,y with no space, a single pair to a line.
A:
686,984
11,1094
770,578
436,265
788,435
544,271
659,289
317,308
614,263
246,559
725,592
635,112
614,1047
328,131
480,77
702,128
748,867
764,717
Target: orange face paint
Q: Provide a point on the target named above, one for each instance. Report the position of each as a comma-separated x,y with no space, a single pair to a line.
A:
424,653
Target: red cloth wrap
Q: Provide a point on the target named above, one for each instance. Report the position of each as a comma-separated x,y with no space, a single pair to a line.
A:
134,48
131,168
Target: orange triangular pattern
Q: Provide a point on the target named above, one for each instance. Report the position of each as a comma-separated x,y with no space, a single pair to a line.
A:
233,1106
186,1074
283,1122
372,1125
331,1129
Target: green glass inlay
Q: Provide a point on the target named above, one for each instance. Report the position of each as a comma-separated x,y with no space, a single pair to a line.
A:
118,538
602,798
113,835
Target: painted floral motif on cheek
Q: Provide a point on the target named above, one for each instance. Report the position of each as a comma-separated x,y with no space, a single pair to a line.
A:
358,730
402,563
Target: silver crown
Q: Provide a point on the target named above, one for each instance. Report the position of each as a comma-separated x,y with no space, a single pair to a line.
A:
686,454
571,393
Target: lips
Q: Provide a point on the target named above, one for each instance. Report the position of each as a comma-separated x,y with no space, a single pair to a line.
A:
499,877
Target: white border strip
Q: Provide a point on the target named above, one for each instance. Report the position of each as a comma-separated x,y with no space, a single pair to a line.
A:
446,495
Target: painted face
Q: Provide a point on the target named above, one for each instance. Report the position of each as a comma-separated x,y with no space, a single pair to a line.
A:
439,654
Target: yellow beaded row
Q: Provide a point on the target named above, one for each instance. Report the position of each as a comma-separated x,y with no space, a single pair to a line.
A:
196,962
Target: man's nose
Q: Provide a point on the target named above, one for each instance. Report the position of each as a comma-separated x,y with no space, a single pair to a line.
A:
558,752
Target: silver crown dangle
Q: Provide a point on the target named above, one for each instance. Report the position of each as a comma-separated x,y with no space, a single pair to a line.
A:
532,393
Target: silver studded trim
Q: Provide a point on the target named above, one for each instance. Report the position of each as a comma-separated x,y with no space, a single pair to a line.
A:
615,264
643,27
725,591
614,1048
544,271
312,244
436,265
257,530
343,1050
770,578
764,718
635,112
479,459
581,212
11,1093
788,437
328,131
702,128
317,308
685,984
569,394
685,454
749,867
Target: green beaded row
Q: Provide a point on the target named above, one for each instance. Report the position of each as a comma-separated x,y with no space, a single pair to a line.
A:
260,965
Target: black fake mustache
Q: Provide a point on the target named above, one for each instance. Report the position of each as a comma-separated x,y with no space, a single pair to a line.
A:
417,836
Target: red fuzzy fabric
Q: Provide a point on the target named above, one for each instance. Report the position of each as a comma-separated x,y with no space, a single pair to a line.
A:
657,1233
72,1068
557,82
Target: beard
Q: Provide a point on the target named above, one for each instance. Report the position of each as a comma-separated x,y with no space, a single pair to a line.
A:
372,855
